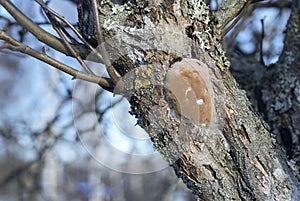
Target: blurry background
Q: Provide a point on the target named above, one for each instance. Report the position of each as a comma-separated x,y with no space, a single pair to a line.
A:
69,140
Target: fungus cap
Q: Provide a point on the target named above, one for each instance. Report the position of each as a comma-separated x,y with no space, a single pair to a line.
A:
190,91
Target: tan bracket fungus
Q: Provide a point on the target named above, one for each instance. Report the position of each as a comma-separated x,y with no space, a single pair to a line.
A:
189,91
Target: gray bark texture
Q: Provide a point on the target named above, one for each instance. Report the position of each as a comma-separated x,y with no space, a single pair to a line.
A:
176,78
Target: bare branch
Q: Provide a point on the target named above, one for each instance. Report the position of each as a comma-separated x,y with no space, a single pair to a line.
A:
40,33
57,27
246,13
233,23
110,69
225,15
74,53
15,45
261,53
68,24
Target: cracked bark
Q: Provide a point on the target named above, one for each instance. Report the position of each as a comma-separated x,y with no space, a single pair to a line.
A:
235,157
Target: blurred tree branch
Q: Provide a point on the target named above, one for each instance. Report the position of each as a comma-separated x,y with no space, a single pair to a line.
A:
225,15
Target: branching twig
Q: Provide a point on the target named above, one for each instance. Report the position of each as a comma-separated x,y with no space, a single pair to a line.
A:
56,26
40,33
52,16
74,53
237,7
110,69
15,45
245,15
68,24
240,15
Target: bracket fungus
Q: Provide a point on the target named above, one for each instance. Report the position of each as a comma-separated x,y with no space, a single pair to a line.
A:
189,92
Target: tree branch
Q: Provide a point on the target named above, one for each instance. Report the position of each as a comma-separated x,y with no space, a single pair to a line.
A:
224,15
216,144
68,24
41,34
15,45
110,68
57,27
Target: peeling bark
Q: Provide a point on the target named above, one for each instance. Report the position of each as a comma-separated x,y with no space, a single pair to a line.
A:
234,157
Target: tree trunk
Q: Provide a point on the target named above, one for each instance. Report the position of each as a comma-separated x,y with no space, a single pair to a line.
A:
174,74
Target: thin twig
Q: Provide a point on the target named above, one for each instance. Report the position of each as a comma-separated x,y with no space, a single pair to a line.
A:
261,54
9,23
115,76
68,24
75,54
40,33
224,15
15,45
56,26
67,33
240,15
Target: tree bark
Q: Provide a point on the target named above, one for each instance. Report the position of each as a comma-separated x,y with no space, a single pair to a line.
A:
174,74
281,91
274,90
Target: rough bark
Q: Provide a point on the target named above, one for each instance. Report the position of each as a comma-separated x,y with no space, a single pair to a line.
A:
224,153
274,90
281,90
